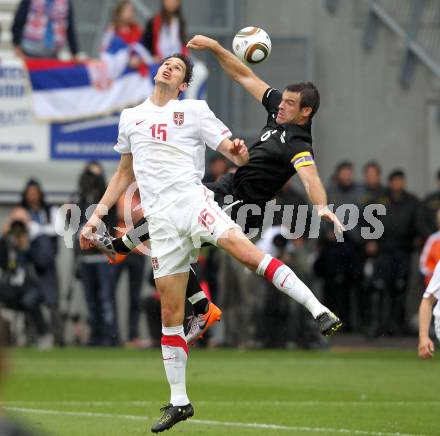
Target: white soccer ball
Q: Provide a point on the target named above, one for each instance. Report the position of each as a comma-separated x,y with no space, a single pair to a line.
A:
252,45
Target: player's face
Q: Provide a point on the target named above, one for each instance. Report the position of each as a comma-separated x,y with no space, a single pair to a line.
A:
172,73
372,176
289,111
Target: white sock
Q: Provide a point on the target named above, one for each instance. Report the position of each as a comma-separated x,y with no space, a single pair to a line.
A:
175,355
285,280
197,297
127,242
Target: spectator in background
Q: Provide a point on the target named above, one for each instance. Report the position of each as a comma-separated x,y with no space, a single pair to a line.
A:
96,274
45,242
41,28
124,22
430,207
371,190
124,30
134,264
165,33
217,167
339,263
372,187
392,261
20,288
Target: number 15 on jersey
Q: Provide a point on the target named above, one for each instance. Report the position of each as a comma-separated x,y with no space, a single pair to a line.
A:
159,131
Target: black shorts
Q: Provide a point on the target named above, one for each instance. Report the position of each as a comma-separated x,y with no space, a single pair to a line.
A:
224,195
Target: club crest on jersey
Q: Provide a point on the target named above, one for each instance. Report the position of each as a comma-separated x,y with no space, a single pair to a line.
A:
178,118
155,263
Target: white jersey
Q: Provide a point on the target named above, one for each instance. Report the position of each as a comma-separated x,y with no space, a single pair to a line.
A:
168,145
434,289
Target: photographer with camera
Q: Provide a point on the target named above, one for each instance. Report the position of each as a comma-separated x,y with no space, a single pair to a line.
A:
20,288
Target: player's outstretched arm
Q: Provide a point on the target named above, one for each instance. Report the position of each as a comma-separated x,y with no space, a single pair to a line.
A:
232,66
315,191
119,183
426,346
236,151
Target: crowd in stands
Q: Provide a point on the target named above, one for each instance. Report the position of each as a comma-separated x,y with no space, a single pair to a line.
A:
365,281
43,28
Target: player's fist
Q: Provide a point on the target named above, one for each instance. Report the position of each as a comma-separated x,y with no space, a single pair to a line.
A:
326,214
201,42
240,151
87,237
426,348
238,146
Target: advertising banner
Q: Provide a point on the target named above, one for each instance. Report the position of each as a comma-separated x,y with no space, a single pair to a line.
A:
22,136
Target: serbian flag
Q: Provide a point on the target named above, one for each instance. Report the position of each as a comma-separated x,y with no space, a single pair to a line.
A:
65,91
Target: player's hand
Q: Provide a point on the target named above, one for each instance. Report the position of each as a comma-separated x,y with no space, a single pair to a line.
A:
426,348
87,237
201,42
326,214
239,150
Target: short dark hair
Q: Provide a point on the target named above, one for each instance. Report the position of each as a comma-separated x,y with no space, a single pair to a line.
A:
396,173
344,165
309,95
189,66
372,164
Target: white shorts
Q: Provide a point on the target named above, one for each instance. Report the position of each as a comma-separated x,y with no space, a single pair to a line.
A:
178,230
437,327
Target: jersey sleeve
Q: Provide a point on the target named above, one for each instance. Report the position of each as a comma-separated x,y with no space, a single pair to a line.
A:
300,154
434,284
212,130
123,146
271,100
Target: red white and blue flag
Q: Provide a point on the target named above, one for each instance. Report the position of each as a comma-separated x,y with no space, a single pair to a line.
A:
64,91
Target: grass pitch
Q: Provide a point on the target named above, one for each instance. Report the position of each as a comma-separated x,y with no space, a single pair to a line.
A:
119,392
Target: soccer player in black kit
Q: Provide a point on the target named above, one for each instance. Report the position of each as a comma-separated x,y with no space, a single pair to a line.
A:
284,148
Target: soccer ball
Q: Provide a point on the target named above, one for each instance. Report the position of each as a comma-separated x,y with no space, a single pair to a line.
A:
252,45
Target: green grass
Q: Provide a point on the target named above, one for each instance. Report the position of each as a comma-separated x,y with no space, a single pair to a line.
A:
119,392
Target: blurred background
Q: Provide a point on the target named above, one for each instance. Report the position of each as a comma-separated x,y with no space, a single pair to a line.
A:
376,139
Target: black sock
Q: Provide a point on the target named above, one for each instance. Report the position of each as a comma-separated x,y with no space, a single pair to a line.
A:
133,237
120,247
201,306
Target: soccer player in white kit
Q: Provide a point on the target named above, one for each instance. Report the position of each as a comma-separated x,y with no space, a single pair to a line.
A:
162,144
431,295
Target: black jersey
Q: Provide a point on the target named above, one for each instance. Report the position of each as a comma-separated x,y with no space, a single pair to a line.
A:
275,157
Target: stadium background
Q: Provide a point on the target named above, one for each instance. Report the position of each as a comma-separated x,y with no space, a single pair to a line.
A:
366,112
375,63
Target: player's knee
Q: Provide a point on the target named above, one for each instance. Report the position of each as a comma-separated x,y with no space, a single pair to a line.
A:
249,260
241,251
171,313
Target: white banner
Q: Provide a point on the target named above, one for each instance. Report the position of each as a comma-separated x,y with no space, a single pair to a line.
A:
22,136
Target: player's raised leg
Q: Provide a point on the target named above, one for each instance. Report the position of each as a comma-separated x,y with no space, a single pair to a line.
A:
280,275
174,349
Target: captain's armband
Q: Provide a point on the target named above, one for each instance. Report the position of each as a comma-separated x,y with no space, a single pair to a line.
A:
303,159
